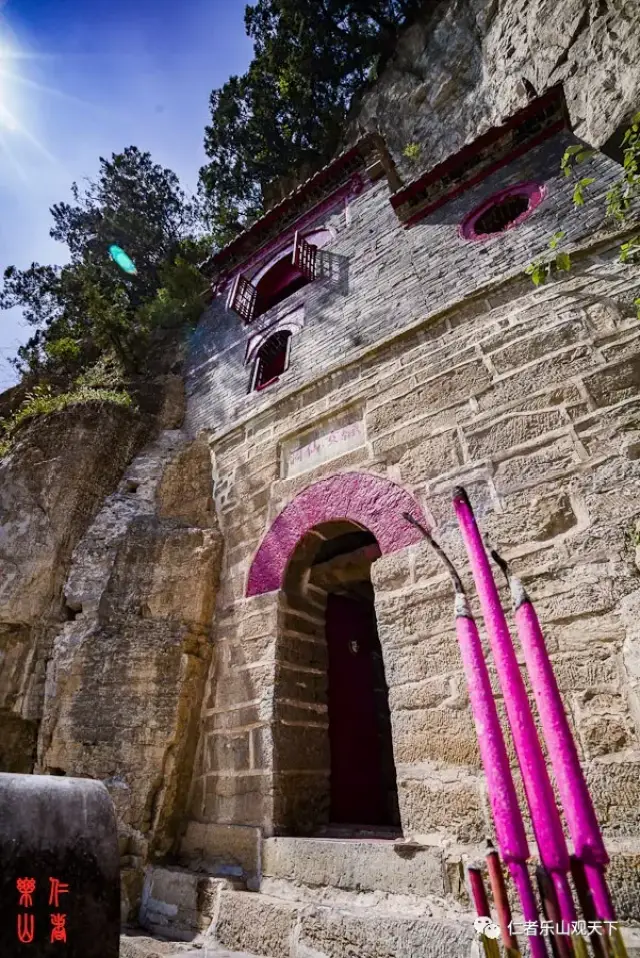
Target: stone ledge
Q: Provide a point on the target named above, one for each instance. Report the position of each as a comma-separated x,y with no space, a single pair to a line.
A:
350,865
229,851
179,904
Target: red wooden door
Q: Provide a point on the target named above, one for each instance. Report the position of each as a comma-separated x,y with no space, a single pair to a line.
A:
357,791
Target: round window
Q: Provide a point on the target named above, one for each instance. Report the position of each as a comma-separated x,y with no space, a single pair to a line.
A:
502,211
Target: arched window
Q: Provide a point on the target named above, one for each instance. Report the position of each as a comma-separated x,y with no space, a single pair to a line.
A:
293,268
282,280
272,359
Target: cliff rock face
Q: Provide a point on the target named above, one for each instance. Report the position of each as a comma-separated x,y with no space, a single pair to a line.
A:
51,487
126,676
461,68
108,575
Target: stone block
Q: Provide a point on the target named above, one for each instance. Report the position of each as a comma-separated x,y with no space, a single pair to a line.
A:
301,747
238,686
623,348
530,348
229,850
422,610
422,658
432,457
334,934
614,382
178,904
425,694
585,589
312,626
248,651
623,877
238,799
227,752
392,571
444,806
299,712
553,370
357,866
510,431
446,736
297,650
300,683
536,466
528,517
600,670
615,790
301,802
602,318
256,923
606,734
234,719
440,392
587,632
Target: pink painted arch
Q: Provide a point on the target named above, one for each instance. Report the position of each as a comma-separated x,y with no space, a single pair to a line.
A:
360,497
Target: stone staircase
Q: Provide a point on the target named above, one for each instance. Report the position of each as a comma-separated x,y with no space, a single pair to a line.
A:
318,898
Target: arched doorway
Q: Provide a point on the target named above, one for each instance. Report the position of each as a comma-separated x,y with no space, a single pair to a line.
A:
316,559
334,762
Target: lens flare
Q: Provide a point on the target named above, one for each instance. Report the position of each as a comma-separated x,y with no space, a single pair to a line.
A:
121,259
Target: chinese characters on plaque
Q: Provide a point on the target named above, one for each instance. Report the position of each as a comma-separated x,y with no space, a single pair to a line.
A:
26,924
324,448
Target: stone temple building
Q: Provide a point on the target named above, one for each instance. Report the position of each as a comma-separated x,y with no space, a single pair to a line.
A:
244,638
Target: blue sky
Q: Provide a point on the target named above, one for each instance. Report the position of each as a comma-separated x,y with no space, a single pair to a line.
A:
96,76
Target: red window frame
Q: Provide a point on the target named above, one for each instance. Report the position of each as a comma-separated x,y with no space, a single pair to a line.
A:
283,350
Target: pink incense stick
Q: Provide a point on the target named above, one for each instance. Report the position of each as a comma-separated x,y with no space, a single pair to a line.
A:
509,824
545,819
574,793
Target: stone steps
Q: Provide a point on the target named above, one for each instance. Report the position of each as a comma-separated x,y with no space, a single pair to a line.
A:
266,925
133,944
390,875
353,918
179,904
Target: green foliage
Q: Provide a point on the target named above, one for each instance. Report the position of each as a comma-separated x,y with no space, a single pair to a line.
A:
42,400
412,152
106,373
288,111
542,268
622,194
555,239
574,155
630,250
538,271
90,308
621,202
63,351
578,192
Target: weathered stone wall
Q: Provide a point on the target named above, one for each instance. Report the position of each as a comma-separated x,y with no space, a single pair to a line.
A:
51,486
388,279
125,678
459,70
531,399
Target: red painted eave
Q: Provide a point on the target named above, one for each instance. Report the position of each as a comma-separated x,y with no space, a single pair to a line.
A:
251,236
553,97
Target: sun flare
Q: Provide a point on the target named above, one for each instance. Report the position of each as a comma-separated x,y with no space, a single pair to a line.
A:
16,134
